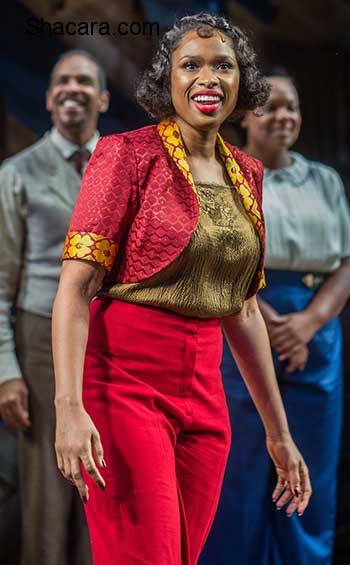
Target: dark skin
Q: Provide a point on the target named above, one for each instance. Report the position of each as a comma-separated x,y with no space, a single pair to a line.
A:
271,135
197,64
213,65
75,100
269,139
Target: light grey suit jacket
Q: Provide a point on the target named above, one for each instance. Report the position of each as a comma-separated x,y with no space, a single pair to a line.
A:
38,189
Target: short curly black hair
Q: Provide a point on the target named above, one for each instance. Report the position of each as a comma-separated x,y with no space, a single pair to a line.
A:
154,89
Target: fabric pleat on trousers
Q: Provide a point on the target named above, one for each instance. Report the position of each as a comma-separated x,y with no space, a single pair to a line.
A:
248,530
54,530
153,387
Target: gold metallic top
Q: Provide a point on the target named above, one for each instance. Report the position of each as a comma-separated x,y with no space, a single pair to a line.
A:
212,275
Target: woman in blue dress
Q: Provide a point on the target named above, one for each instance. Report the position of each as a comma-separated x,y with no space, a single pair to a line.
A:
308,284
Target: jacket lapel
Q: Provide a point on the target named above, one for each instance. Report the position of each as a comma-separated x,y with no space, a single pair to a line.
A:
171,137
242,186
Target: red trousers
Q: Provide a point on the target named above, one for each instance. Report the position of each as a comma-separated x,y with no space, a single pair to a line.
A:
152,386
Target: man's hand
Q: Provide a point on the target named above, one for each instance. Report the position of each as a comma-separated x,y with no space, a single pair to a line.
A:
14,404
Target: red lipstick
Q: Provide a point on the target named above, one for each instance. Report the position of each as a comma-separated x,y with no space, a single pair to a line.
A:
207,101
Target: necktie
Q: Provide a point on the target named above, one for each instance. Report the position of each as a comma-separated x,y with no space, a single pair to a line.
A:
79,159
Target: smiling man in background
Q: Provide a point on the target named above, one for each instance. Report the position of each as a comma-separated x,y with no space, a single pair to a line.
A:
38,189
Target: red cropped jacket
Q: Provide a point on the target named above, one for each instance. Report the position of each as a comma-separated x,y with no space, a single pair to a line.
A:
138,208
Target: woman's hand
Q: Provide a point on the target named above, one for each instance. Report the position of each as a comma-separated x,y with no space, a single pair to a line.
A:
297,360
78,442
297,356
290,332
293,484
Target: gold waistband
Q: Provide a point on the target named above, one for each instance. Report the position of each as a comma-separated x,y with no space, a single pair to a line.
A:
313,280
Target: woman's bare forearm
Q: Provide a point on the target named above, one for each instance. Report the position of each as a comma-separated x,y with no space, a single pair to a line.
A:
247,337
333,295
70,323
266,309
70,326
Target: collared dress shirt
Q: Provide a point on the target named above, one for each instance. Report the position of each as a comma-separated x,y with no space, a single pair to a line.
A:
69,149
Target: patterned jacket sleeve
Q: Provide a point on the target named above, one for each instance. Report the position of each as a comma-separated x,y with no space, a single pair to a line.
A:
103,211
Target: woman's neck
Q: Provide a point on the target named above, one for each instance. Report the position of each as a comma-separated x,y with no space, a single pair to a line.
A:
199,144
271,160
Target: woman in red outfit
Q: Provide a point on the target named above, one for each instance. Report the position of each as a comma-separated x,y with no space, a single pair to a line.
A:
165,248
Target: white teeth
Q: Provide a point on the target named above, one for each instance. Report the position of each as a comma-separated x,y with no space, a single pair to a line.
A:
70,103
206,98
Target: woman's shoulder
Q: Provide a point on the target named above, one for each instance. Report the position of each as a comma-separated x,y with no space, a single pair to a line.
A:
139,136
126,147
312,166
136,147
325,176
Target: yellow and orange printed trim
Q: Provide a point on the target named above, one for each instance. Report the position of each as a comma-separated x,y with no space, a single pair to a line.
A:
170,135
90,246
262,279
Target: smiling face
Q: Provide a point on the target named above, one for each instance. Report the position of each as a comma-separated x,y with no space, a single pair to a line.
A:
74,97
204,79
279,126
